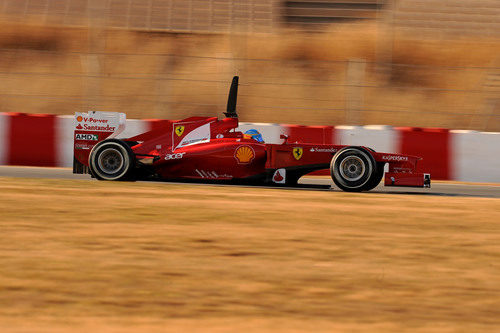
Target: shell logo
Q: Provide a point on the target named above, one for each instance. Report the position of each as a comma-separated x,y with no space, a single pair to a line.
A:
244,154
79,118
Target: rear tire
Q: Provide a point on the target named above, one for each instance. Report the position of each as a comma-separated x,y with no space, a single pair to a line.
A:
353,169
112,159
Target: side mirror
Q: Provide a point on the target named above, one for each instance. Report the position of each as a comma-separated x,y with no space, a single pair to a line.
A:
284,137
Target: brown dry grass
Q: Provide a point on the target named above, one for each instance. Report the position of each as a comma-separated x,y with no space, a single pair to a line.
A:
46,69
121,257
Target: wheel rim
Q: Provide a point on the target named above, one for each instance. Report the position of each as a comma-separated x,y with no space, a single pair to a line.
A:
110,160
352,168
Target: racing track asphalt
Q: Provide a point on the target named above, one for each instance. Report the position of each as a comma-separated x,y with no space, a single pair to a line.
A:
307,183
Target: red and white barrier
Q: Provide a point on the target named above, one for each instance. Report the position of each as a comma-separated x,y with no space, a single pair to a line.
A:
47,140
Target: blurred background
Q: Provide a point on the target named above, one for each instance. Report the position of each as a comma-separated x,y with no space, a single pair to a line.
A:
429,63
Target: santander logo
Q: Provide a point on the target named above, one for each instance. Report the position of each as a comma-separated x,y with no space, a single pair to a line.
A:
278,177
94,124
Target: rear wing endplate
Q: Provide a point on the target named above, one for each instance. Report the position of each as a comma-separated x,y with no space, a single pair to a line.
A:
90,128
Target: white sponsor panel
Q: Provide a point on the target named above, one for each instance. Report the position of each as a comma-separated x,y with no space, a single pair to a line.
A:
475,156
279,176
4,137
99,121
66,125
198,135
270,132
378,137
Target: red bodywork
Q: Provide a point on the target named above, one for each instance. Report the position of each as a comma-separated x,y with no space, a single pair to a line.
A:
208,149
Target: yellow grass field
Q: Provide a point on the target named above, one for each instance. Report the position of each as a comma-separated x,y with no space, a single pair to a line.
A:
87,256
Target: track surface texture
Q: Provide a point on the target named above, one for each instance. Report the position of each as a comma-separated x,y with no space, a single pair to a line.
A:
438,188
86,256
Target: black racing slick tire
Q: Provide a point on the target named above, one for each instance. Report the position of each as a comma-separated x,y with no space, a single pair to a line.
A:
375,178
112,159
353,169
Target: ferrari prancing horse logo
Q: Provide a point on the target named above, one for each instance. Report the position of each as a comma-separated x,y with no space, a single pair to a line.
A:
297,152
179,130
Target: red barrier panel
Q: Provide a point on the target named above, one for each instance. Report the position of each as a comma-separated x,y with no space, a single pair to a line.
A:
155,124
32,140
432,144
310,134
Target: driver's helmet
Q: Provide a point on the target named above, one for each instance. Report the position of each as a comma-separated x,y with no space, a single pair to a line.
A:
253,134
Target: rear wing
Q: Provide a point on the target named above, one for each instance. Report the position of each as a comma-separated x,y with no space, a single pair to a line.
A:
89,129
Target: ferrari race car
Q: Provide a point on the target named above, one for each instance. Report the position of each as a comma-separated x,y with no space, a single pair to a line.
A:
206,149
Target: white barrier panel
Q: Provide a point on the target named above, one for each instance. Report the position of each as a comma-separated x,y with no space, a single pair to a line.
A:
378,137
134,127
64,141
270,132
475,156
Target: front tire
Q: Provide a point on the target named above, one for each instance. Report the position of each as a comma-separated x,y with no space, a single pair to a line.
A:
376,177
112,159
353,169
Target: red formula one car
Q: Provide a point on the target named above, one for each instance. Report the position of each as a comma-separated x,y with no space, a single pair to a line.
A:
212,150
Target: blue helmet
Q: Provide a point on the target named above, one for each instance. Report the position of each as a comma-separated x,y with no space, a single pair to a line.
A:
253,134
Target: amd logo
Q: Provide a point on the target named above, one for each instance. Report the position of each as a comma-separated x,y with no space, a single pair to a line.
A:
89,137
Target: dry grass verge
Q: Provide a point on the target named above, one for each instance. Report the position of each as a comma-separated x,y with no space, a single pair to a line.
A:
120,257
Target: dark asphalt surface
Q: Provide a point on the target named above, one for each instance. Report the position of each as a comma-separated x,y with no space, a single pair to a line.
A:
438,188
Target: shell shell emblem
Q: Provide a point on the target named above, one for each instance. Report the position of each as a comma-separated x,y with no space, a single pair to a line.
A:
244,154
179,130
